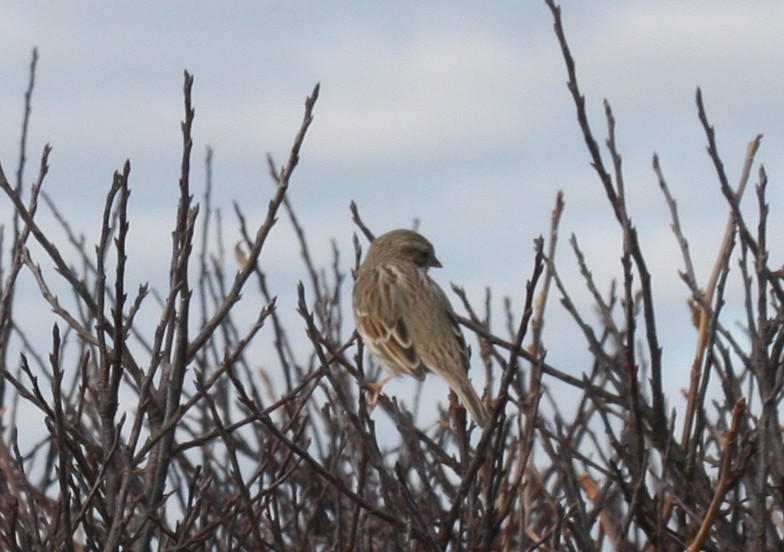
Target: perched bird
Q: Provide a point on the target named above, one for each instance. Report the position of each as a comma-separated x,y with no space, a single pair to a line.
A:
406,320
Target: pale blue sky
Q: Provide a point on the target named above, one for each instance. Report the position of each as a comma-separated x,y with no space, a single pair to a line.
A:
455,113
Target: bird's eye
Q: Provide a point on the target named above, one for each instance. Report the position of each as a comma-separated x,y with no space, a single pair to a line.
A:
418,255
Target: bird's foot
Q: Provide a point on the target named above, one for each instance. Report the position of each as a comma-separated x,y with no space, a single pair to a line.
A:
375,391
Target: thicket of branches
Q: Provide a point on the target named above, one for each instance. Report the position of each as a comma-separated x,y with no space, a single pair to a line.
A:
211,452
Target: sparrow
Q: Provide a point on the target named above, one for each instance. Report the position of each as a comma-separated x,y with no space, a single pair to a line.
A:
405,319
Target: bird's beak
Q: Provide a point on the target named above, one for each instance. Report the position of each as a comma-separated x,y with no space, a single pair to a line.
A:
435,263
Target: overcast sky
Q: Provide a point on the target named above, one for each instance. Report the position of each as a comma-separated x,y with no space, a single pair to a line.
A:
453,113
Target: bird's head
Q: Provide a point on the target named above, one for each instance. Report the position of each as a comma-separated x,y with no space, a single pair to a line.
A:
403,246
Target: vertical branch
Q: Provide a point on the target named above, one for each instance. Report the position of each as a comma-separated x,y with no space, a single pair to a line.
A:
9,285
721,258
582,115
63,445
17,260
536,348
25,127
109,360
174,371
727,477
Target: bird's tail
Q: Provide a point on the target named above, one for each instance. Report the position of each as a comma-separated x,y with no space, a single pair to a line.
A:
471,401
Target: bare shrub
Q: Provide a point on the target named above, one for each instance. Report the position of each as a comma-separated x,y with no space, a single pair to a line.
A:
211,451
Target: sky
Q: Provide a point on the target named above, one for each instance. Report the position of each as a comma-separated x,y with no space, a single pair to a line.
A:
453,114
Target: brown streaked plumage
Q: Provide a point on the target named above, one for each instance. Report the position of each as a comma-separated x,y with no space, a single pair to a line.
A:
406,320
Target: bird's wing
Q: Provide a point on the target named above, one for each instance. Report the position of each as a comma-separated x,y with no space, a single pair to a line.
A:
445,352
446,348
383,327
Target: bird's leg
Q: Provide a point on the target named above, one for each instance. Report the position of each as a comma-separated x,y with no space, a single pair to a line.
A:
375,394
